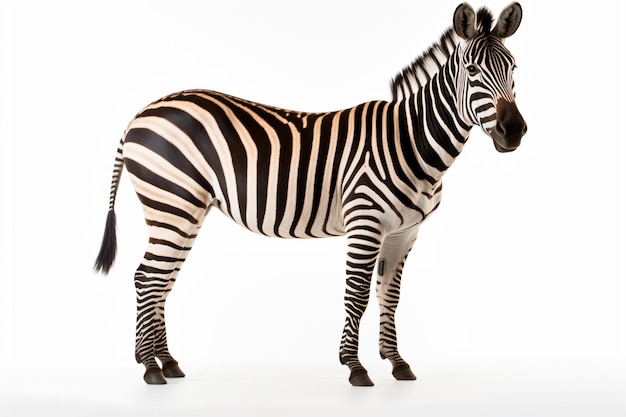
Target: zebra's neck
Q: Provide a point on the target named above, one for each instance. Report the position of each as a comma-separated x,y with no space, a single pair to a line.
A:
425,67
430,128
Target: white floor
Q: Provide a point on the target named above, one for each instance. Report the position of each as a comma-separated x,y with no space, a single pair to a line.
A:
505,390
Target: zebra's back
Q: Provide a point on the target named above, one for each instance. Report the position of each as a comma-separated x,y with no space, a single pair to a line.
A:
273,171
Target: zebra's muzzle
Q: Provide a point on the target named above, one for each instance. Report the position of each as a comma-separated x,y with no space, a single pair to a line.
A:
510,127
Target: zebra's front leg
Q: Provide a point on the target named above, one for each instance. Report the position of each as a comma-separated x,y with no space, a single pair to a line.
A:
363,249
393,254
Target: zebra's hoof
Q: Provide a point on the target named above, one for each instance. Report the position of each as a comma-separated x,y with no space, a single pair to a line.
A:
403,373
154,376
172,370
359,378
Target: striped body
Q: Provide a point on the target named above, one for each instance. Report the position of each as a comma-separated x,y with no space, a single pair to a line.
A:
371,172
276,172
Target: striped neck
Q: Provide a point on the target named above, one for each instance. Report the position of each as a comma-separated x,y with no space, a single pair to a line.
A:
425,67
430,126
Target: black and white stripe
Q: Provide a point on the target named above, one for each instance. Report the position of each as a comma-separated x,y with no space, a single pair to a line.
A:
372,172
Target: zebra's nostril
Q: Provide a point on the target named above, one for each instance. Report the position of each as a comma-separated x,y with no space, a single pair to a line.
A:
500,129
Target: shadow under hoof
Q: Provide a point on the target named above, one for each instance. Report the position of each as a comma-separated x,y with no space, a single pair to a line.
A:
403,373
154,376
359,378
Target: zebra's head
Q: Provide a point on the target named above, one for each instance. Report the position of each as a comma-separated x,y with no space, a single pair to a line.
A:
485,94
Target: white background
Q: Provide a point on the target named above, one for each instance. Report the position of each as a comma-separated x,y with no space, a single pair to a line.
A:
514,299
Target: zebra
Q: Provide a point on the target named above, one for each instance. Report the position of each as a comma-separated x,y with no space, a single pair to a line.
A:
372,173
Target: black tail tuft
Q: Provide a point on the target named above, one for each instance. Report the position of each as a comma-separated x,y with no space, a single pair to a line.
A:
109,246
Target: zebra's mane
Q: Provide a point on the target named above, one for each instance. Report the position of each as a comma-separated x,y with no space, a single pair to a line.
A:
417,74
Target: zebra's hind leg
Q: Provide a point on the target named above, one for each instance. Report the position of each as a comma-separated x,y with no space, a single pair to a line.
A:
167,250
363,249
169,365
393,254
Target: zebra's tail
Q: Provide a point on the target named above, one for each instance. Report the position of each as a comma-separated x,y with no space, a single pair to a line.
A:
108,249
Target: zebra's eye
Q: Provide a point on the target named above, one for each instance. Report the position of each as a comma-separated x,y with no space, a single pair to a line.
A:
472,69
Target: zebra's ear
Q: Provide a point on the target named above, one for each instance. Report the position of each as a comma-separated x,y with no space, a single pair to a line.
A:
464,21
509,21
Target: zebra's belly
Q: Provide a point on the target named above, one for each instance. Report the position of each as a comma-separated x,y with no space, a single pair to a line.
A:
287,222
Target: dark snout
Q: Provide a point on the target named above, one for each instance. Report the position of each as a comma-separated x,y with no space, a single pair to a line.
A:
510,127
